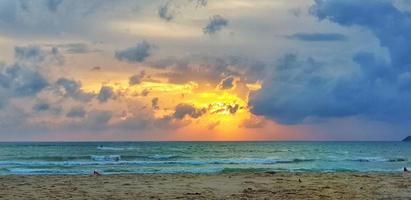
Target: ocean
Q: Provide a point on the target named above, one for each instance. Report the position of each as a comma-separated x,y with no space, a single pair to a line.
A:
201,157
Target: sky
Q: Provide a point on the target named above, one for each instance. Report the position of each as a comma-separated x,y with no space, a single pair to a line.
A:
74,70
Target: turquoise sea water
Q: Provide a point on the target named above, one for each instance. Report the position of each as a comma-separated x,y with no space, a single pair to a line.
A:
201,157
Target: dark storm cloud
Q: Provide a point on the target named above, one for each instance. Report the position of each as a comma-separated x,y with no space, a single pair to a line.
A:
137,53
390,25
106,93
71,88
300,90
318,37
215,24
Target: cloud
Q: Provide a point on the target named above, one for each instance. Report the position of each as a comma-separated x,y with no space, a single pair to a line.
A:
96,68
41,106
76,112
98,119
233,108
203,69
136,79
253,123
71,88
182,110
199,3
167,11
53,5
36,54
227,83
378,17
138,53
145,92
33,53
213,125
106,93
20,80
171,8
75,48
318,37
306,91
154,103
215,24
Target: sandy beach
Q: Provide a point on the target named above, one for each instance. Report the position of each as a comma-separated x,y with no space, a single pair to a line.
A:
214,186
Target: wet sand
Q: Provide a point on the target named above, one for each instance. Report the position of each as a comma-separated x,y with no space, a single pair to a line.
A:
211,186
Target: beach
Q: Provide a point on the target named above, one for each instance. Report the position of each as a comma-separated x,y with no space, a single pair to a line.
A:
283,185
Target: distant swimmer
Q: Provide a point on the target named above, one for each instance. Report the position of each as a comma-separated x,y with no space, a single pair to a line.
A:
405,169
96,173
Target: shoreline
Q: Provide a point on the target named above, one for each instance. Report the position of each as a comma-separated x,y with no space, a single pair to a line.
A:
278,185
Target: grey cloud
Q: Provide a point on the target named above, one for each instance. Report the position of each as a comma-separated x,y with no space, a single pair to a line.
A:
106,93
138,53
209,69
183,110
98,119
167,11
76,112
96,68
36,54
136,79
299,91
32,53
227,83
41,106
154,103
215,24
72,88
253,123
171,8
233,108
199,3
53,5
75,48
20,80
318,37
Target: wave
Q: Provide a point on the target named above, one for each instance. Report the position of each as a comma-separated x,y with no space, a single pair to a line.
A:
54,158
110,148
115,148
378,159
44,171
117,160
106,158
170,160
208,170
163,157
